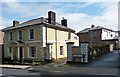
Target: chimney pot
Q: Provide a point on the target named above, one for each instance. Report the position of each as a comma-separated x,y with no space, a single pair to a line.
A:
92,26
63,18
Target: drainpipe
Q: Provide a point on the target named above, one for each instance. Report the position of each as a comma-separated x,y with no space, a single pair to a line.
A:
56,42
46,34
4,51
46,42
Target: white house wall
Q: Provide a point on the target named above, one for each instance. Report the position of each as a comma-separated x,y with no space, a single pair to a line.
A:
107,34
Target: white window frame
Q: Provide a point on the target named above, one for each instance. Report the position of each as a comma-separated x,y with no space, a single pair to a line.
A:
69,35
62,51
8,53
29,51
75,38
19,36
10,36
33,34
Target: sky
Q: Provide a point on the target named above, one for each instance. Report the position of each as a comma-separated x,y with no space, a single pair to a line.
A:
80,13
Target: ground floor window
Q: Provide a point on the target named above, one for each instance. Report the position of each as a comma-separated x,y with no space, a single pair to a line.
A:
32,52
61,50
9,51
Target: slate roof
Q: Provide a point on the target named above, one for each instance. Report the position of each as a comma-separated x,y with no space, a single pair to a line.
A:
40,20
100,27
95,28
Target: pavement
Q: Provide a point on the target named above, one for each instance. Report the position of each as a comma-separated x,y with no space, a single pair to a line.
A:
15,66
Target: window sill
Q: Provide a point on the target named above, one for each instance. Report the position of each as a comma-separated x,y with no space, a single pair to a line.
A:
10,41
30,39
20,40
61,55
32,57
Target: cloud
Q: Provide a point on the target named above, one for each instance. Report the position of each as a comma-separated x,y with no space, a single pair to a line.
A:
108,19
61,0
4,22
32,10
77,21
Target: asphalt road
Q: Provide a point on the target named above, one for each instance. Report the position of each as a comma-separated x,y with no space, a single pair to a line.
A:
110,60
7,72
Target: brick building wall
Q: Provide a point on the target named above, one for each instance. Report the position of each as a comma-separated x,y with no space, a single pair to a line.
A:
84,37
93,37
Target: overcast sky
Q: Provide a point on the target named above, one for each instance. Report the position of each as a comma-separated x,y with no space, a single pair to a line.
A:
80,13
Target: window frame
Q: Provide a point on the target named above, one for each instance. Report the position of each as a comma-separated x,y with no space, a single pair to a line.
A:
19,35
69,35
10,36
75,38
33,34
30,52
94,34
62,51
8,53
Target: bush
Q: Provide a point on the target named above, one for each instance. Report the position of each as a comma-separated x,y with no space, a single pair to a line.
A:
7,60
98,51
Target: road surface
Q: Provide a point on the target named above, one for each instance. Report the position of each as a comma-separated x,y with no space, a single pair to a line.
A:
110,60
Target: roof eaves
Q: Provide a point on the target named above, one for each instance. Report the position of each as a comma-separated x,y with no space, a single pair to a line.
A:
58,27
10,28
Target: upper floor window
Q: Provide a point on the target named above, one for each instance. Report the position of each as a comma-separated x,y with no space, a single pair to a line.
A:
75,38
31,34
94,34
19,35
69,35
10,36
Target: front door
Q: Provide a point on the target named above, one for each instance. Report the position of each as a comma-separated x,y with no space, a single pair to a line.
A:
21,53
49,52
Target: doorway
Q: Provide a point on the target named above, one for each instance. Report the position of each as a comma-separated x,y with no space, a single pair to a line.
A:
21,53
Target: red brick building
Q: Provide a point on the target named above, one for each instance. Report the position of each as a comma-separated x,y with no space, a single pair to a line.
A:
97,36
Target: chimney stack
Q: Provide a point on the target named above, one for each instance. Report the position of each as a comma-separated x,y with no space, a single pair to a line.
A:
52,17
64,22
92,26
15,23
